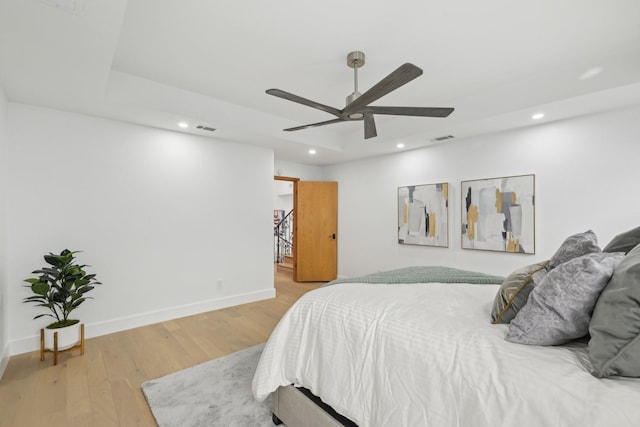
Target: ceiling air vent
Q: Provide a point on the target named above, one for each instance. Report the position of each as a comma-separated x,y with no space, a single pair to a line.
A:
443,138
73,6
205,128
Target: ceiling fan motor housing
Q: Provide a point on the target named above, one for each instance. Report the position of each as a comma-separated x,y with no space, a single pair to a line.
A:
350,99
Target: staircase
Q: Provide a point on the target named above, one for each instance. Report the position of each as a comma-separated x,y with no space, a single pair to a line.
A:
283,244
286,266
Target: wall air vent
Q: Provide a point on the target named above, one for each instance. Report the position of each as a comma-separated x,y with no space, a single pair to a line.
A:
443,138
207,128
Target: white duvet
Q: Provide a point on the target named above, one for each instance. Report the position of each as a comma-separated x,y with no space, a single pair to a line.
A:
427,355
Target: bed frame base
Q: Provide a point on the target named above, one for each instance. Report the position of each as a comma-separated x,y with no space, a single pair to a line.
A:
290,406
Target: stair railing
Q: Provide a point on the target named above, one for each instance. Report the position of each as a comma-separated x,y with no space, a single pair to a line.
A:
283,238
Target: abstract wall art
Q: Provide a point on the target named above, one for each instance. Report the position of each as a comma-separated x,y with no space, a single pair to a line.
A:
423,215
498,214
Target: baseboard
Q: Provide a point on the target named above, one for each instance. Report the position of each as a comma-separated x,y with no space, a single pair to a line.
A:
4,360
32,343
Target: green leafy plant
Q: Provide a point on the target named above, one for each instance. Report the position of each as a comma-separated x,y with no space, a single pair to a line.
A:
61,288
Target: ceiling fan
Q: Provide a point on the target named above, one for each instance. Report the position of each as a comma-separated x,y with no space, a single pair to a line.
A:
358,107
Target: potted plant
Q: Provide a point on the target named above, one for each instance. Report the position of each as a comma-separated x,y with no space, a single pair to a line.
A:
61,287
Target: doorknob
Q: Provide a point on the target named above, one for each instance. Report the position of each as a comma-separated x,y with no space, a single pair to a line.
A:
333,236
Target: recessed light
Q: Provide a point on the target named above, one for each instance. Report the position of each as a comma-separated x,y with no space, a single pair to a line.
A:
591,73
400,145
537,116
183,125
312,151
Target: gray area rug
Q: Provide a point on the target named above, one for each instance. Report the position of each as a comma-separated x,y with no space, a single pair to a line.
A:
214,393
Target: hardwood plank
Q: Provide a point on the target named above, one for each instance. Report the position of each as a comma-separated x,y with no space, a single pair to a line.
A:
77,405
102,388
103,409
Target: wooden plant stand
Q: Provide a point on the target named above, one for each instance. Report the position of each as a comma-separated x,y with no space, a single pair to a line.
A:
55,350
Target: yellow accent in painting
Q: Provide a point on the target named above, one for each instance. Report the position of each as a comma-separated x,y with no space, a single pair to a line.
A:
512,245
472,219
445,191
498,201
432,224
405,214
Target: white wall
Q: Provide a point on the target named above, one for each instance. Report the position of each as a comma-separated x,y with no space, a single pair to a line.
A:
291,170
4,318
586,175
283,195
298,170
168,221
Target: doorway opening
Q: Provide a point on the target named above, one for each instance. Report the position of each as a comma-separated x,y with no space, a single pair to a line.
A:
305,239
284,225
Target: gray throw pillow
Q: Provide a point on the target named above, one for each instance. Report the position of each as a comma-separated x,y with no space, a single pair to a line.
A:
559,308
573,247
614,348
624,242
515,290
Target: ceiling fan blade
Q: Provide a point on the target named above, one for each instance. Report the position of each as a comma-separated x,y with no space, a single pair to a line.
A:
409,111
312,125
402,75
300,100
369,127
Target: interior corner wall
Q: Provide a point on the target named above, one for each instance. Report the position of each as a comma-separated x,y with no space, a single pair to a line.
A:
172,224
4,318
585,176
283,200
298,170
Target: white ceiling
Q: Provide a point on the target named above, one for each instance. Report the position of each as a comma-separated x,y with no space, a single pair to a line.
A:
158,62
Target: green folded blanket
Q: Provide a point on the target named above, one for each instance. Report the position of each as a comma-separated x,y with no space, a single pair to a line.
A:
421,274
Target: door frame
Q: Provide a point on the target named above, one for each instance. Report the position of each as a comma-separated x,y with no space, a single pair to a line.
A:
294,251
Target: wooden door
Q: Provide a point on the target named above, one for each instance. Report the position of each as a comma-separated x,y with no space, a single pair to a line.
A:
315,231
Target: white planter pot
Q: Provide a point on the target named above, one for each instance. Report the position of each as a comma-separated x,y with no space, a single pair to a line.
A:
67,337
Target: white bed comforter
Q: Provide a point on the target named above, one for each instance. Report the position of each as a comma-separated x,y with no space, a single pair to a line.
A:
427,355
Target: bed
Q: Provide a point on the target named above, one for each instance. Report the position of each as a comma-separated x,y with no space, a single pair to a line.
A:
381,351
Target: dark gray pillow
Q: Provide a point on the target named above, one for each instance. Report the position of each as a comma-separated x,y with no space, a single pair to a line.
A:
515,290
624,242
573,247
559,308
614,348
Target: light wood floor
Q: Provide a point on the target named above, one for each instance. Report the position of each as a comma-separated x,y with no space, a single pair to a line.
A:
102,388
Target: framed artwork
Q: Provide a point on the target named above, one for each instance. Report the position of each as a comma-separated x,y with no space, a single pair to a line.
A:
423,215
498,214
278,215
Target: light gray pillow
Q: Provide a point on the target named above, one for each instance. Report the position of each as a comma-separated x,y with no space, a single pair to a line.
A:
573,247
559,308
624,242
614,348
